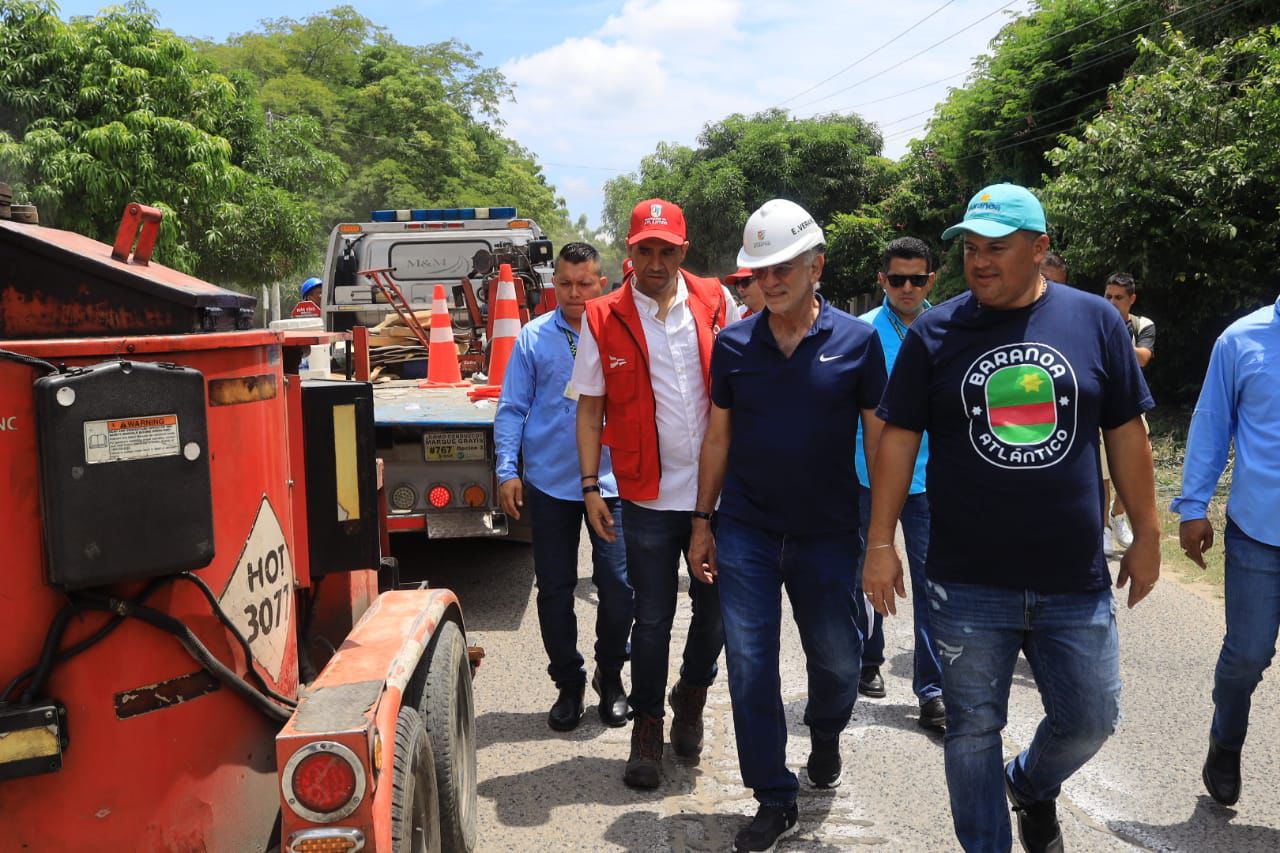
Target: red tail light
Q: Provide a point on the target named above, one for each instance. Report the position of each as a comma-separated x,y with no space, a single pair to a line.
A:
439,496
323,781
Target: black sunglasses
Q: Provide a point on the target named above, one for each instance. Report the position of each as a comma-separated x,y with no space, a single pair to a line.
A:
898,280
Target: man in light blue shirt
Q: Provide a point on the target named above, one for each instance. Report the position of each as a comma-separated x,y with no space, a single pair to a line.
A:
1240,402
906,277
536,419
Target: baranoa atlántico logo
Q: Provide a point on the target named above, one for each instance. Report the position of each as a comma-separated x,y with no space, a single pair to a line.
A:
1021,402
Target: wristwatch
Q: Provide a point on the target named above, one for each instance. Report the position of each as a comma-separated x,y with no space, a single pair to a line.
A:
706,516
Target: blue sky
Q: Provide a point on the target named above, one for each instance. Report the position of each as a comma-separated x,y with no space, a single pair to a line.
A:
600,84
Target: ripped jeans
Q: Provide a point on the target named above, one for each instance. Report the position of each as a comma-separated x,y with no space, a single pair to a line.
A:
1071,642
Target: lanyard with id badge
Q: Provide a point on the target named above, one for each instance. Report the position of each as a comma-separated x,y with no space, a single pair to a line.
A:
570,392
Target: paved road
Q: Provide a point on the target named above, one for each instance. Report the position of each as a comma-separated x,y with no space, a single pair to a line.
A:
540,790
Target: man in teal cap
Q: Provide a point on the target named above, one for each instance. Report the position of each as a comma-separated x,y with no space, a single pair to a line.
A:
1019,377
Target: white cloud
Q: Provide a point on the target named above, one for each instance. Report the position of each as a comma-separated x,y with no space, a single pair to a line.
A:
659,70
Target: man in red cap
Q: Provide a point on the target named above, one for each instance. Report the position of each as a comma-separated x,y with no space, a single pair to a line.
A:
642,378
748,291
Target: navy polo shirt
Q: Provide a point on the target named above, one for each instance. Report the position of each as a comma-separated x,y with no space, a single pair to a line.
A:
795,421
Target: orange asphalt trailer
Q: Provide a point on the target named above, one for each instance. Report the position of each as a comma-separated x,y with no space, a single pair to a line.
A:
182,549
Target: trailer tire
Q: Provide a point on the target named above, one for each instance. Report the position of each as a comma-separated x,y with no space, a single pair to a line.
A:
449,712
415,806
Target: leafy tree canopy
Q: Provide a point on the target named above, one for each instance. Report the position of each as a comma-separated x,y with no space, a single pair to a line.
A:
828,165
1178,183
415,126
101,111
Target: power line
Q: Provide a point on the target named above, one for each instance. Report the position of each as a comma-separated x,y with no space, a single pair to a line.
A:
1230,7
866,56
998,146
913,56
1030,47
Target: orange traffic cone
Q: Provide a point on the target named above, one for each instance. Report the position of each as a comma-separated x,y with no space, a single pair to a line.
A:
442,354
506,325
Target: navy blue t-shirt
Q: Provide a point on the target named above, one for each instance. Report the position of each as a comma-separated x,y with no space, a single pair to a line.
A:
795,420
1013,401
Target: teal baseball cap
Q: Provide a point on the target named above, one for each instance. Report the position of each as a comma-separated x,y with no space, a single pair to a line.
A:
999,210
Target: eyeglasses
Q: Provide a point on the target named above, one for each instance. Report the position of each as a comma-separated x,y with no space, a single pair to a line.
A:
743,283
779,271
898,280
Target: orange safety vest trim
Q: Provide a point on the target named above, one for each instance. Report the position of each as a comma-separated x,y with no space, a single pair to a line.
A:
630,425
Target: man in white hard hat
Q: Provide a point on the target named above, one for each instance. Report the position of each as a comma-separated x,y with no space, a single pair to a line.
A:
1020,375
641,373
788,388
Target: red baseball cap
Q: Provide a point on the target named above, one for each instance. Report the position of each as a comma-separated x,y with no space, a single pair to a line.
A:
733,278
657,219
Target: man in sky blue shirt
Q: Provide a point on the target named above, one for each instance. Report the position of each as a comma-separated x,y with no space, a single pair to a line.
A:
906,277
1240,402
536,418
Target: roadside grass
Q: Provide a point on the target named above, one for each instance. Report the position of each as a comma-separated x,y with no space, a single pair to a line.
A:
1168,445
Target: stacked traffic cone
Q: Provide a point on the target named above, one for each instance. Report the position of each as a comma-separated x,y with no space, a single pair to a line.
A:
506,325
442,354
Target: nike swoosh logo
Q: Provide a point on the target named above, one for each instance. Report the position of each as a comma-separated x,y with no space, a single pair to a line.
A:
825,358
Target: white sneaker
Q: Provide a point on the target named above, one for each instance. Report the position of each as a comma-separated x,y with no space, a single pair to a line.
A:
1108,542
1121,531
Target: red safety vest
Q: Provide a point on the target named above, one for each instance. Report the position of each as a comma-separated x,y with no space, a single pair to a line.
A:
631,426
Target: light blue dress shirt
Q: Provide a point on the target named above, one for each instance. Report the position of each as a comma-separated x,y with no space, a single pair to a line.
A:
892,333
1240,400
535,416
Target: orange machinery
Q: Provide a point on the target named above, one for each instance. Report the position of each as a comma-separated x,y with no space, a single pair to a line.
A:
205,648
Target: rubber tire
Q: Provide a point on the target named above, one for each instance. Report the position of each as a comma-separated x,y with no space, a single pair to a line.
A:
448,709
415,806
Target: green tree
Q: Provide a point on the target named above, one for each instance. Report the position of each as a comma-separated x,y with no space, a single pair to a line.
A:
1179,183
106,110
1048,73
416,126
829,165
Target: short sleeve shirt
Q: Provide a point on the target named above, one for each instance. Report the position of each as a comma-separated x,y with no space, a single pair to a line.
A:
1143,332
1014,406
791,454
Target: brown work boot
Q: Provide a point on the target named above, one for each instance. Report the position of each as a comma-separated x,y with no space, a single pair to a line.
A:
686,719
644,767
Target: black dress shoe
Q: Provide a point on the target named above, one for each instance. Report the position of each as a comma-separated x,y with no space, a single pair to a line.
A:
567,711
613,698
933,714
870,683
1221,774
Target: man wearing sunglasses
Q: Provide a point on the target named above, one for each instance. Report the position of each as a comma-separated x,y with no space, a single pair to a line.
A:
748,291
906,277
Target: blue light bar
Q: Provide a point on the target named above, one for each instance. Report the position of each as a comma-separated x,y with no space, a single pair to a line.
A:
442,214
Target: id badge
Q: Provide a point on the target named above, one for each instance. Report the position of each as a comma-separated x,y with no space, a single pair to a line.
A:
570,392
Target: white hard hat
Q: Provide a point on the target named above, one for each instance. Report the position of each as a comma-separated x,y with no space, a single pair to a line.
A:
779,231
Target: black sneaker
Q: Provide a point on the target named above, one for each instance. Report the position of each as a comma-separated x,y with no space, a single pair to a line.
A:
770,824
870,683
1038,828
825,767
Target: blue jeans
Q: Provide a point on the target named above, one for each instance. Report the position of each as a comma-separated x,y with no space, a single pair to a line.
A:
754,566
655,539
1070,640
557,527
926,678
1253,618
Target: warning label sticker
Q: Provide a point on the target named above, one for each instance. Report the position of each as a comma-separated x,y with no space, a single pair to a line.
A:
123,439
259,596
